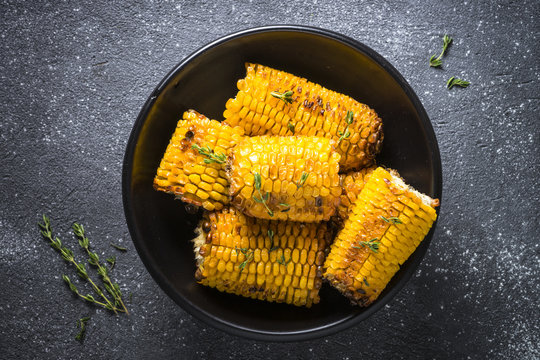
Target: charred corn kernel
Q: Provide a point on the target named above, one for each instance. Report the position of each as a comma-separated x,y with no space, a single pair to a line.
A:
291,189
352,184
183,171
311,110
258,259
376,239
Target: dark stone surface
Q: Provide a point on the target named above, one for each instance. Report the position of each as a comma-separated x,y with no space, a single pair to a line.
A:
74,76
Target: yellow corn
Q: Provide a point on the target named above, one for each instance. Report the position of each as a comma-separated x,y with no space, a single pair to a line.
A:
352,184
285,177
276,261
387,222
310,110
183,170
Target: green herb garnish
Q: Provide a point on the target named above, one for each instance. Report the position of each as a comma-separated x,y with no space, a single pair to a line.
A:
349,120
209,153
118,247
281,260
372,245
392,220
286,96
291,127
261,199
453,81
249,257
111,260
302,180
67,255
436,61
93,259
81,324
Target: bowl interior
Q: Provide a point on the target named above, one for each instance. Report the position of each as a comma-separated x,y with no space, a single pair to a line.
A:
162,229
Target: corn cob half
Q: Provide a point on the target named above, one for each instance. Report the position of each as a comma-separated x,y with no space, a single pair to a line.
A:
388,221
276,261
274,102
285,177
192,167
352,184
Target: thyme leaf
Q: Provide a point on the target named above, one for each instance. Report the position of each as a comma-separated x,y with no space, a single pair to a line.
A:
302,180
81,324
257,182
286,96
349,119
453,81
436,61
392,220
118,247
291,127
372,245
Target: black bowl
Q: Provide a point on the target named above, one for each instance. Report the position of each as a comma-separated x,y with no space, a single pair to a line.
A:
161,228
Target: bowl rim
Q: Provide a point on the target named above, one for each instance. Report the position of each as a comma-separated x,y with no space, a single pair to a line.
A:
235,329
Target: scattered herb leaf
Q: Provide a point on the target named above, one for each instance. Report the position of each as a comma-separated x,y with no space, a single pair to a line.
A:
118,247
286,96
372,245
349,119
261,199
111,260
291,127
453,81
81,324
392,220
436,61
302,180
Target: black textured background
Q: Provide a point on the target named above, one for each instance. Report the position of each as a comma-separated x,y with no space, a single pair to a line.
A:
73,77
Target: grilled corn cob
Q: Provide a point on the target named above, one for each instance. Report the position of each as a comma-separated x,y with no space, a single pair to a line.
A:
187,172
285,177
387,222
352,184
276,261
274,102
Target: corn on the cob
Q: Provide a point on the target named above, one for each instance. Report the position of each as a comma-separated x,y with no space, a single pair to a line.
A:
388,221
300,107
276,261
285,177
185,171
352,184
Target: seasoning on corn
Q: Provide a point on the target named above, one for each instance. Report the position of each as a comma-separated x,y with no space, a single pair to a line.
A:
273,102
276,261
193,165
387,222
285,177
352,184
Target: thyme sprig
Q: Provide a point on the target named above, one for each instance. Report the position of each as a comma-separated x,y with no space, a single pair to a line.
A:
454,81
436,61
392,220
261,199
286,96
81,324
67,255
302,180
212,157
93,259
372,245
346,133
249,257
